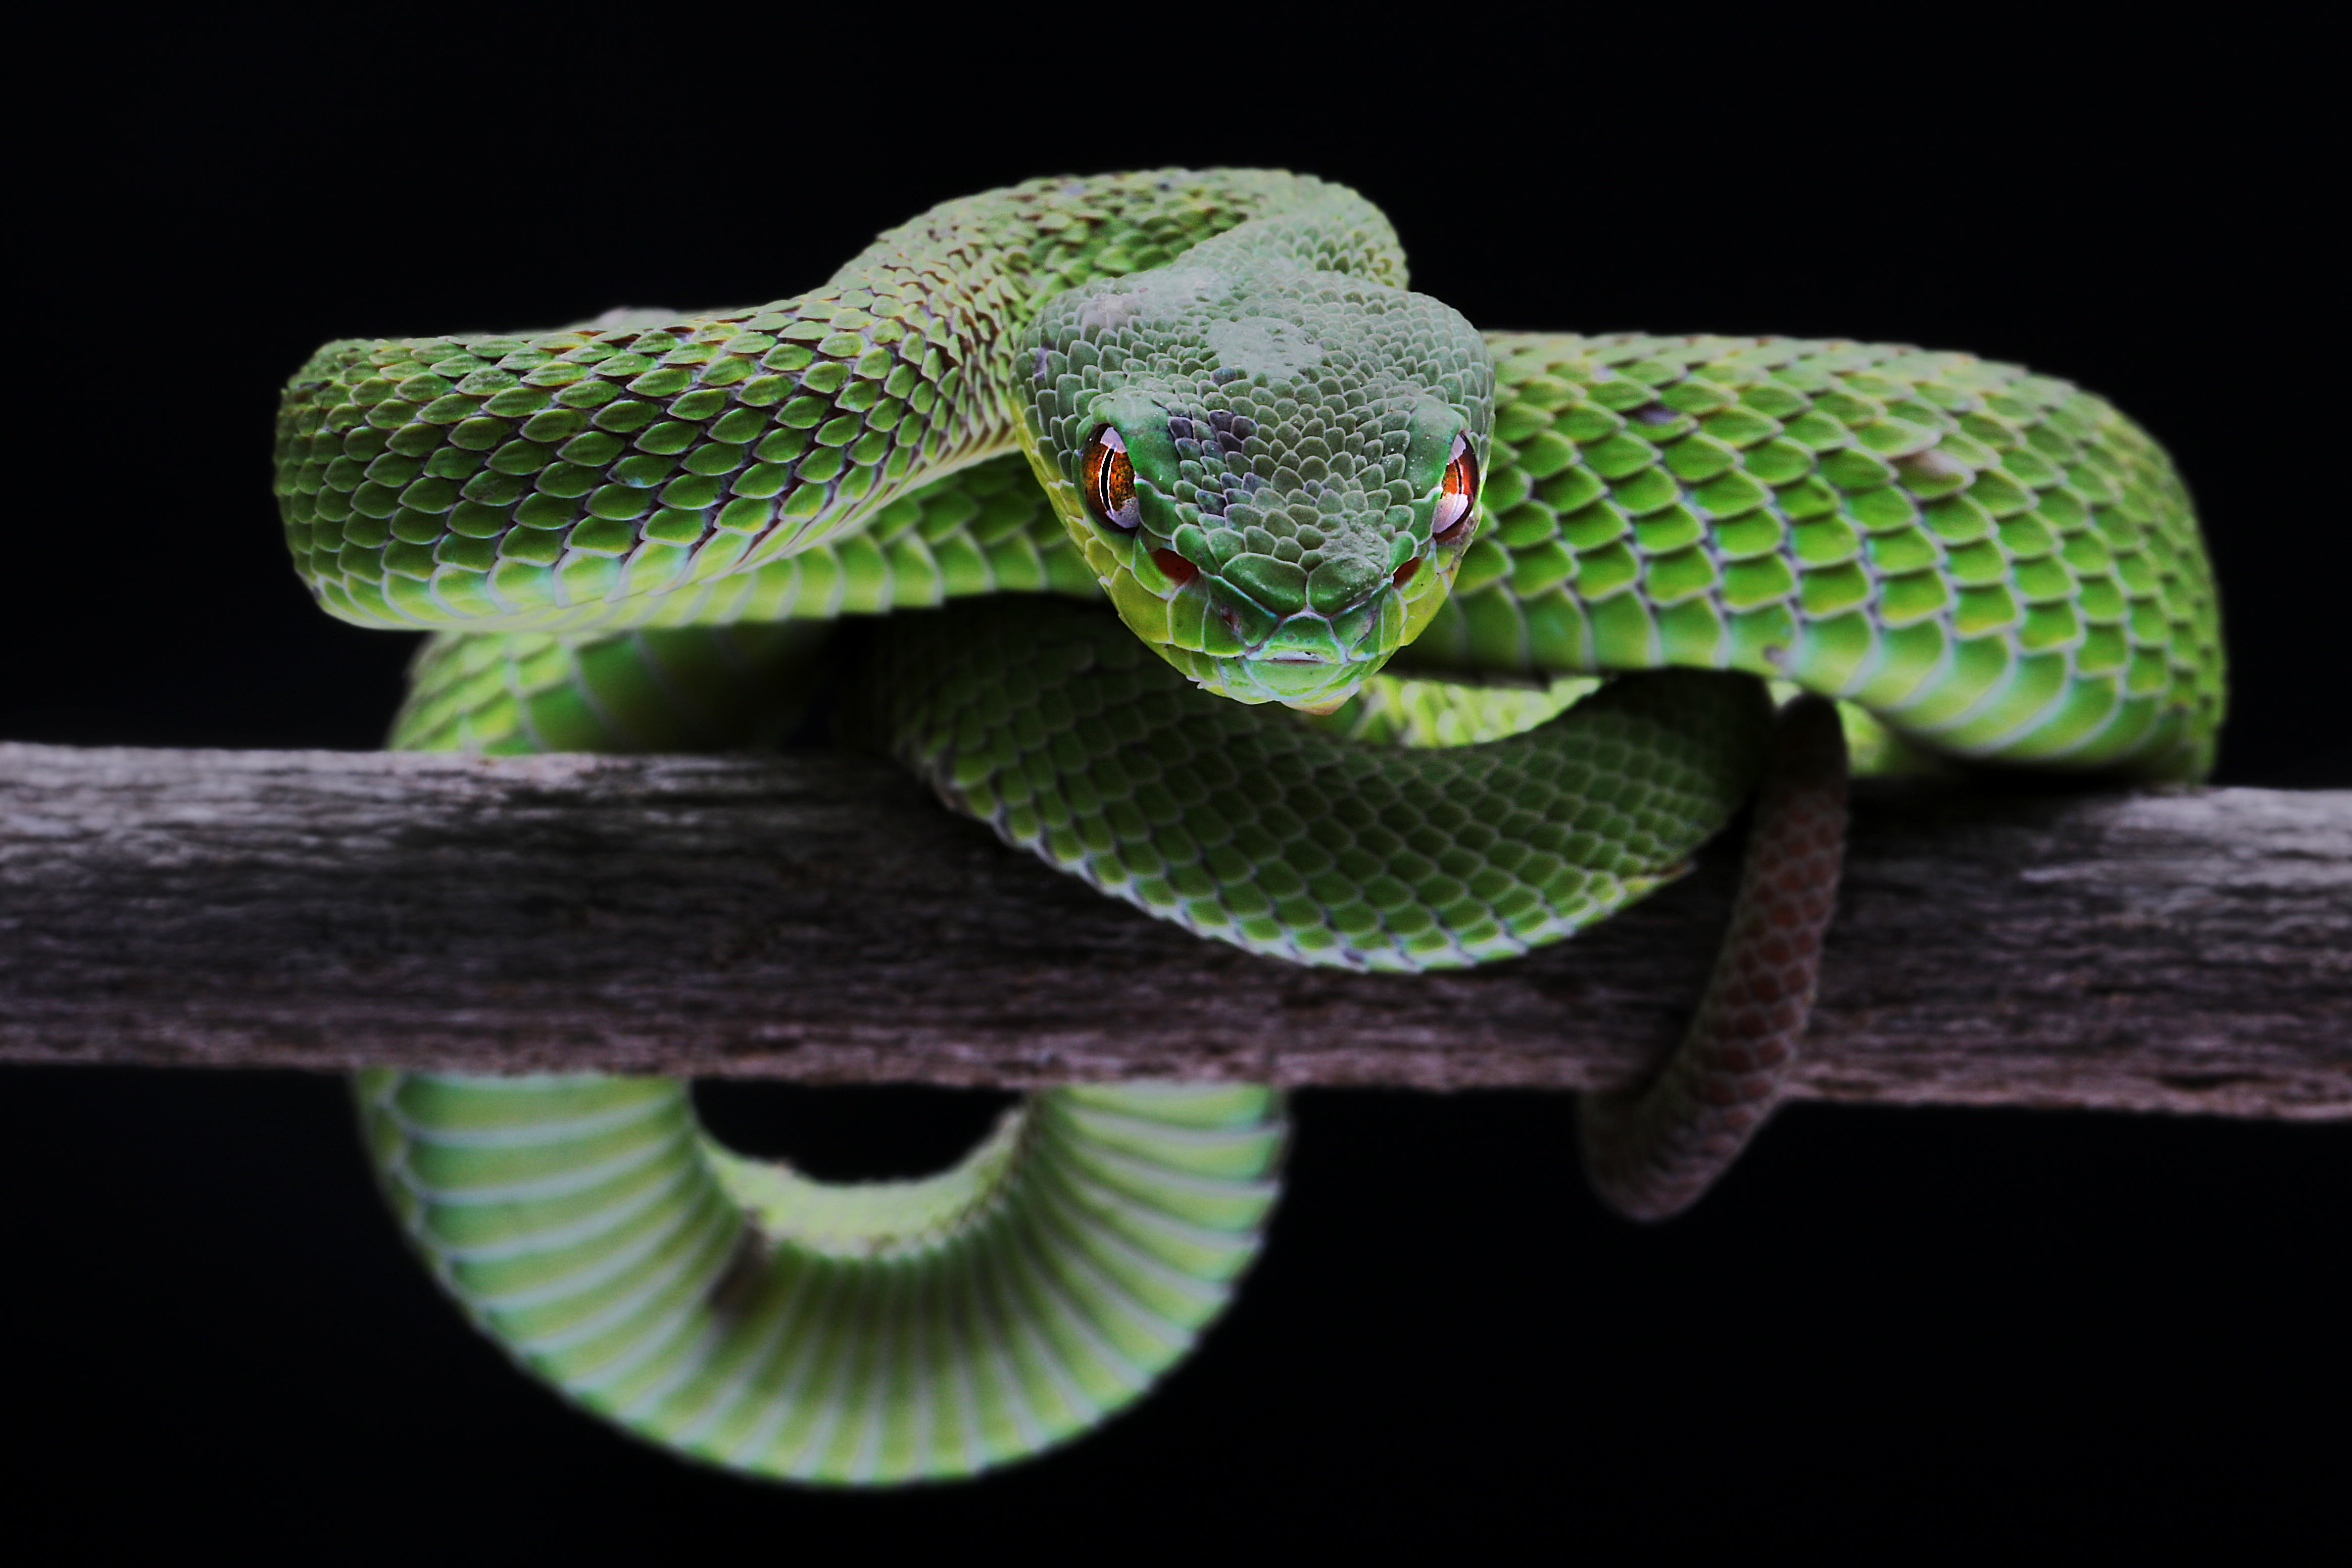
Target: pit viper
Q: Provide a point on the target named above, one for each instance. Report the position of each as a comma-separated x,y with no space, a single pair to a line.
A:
1167,533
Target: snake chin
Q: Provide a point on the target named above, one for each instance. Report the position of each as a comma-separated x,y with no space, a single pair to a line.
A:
1311,685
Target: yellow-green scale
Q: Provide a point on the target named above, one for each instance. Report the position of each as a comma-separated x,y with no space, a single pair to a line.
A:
1997,564
736,1310
607,476
653,523
983,529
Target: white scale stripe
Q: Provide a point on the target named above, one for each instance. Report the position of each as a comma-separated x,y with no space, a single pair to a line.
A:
923,1368
711,1334
1991,697
1161,1090
528,1134
562,1183
721,1398
1015,1294
556,1239
614,1315
754,1447
1068,1209
658,1338
885,1328
986,1313
598,1271
506,1083
963,1356
904,1369
1109,1216
2042,715
666,1328
779,1339
877,1335
747,1376
1934,676
2096,734
1108,1199
867,1362
826,1396
1111,1123
1027,1321
918,1423
1098,1155
1048,1280
831,1400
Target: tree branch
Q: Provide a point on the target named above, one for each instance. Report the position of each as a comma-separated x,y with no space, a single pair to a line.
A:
819,918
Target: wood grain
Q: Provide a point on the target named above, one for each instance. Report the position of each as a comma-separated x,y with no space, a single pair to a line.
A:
817,917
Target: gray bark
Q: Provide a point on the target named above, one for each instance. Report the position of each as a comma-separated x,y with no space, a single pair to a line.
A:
819,917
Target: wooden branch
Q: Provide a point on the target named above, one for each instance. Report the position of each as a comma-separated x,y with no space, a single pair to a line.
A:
819,917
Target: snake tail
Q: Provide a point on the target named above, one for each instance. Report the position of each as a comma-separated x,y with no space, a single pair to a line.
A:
733,1310
736,1312
1652,1150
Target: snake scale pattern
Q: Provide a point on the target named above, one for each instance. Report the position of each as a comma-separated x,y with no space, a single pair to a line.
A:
1156,524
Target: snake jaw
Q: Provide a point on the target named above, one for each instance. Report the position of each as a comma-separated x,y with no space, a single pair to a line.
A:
1311,685
1228,641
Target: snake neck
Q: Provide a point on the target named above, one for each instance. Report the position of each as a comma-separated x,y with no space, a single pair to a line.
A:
564,480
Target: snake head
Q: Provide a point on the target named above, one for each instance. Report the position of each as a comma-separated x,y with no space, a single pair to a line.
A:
1273,471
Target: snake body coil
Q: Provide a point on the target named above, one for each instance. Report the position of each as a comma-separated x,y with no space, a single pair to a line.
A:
1283,471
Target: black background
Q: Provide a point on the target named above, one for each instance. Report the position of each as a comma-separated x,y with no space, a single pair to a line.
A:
1913,1326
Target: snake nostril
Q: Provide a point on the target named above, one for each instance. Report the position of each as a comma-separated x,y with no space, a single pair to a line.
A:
1405,573
1177,570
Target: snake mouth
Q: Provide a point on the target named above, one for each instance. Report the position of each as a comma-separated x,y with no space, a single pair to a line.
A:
1313,683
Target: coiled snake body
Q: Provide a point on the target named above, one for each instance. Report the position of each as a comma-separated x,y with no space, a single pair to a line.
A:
1281,470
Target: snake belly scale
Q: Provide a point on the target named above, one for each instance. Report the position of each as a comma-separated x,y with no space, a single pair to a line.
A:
1201,415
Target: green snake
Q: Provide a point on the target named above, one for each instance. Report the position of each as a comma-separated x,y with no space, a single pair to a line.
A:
1209,400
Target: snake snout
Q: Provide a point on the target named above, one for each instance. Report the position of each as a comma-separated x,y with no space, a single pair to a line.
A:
1310,637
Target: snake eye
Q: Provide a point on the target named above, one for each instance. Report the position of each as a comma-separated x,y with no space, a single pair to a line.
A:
1111,483
1457,503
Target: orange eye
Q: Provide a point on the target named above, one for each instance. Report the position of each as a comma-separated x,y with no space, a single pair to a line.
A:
1111,483
1457,503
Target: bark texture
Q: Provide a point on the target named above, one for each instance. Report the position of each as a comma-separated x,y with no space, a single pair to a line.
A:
818,917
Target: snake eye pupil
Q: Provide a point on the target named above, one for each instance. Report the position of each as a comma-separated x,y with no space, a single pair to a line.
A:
1177,570
1111,483
1457,503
